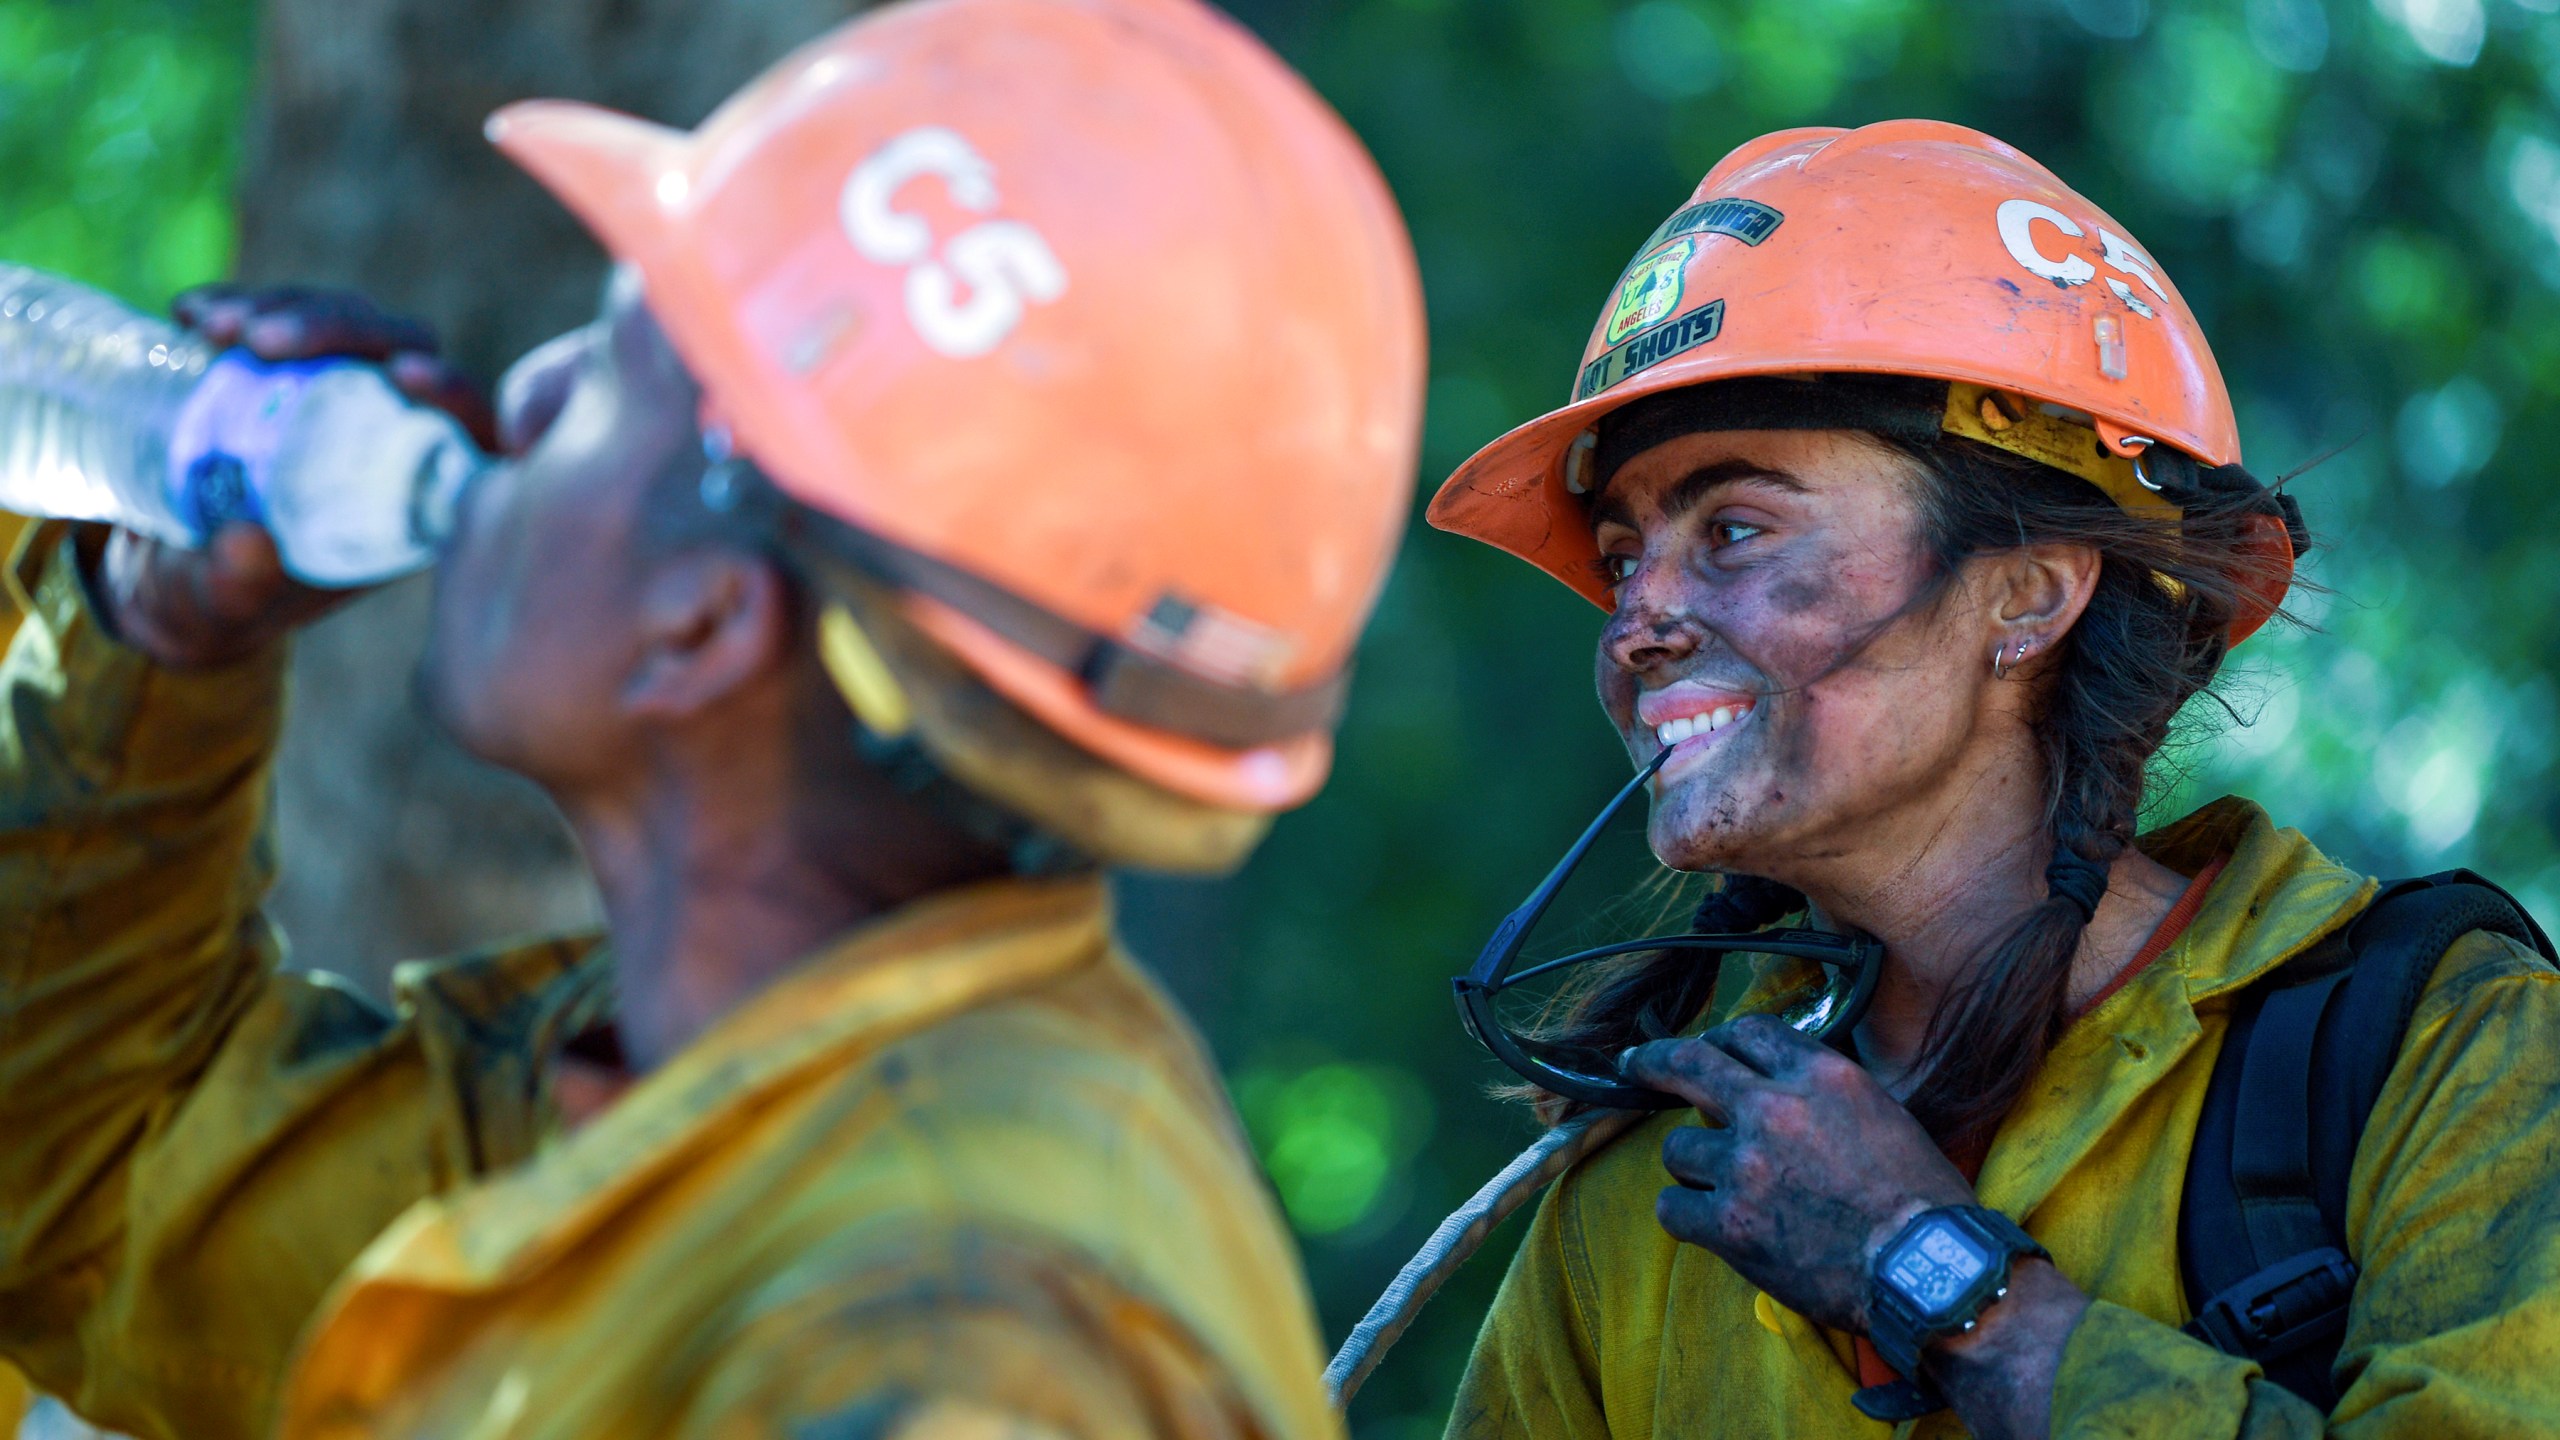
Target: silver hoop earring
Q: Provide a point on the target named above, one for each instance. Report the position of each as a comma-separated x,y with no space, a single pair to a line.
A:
2001,660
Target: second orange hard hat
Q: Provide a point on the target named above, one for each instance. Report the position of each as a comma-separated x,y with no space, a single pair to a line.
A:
1911,248
1088,317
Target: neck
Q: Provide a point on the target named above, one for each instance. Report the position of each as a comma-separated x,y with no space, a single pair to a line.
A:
714,885
703,913
1942,887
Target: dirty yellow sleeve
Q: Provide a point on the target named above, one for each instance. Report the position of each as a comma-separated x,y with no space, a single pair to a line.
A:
192,1145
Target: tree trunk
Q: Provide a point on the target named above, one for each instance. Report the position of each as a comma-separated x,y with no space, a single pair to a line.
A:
366,168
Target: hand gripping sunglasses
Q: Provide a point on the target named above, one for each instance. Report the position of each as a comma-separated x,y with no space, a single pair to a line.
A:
1592,1077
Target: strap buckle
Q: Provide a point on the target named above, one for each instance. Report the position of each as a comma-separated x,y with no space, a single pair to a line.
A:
2285,1307
1898,1400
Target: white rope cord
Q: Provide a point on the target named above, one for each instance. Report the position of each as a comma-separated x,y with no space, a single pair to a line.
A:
1460,1236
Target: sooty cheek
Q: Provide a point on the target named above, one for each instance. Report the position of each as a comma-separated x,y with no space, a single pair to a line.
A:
1802,624
1803,593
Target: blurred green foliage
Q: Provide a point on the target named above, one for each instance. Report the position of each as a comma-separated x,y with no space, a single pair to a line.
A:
119,135
2361,198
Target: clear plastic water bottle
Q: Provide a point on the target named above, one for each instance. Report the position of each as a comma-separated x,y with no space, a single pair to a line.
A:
106,414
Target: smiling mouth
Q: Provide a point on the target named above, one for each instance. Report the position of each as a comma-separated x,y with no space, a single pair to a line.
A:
1688,727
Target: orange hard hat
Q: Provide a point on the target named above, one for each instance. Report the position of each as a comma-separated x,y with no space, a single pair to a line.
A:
1088,317
1910,248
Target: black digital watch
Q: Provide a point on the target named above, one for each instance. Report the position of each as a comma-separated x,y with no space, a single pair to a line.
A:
1933,1279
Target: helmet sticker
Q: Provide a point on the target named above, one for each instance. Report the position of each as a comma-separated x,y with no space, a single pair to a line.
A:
1650,348
2070,268
1748,221
1650,290
965,300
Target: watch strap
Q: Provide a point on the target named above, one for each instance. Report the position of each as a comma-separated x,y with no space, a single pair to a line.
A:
1898,1400
2008,1234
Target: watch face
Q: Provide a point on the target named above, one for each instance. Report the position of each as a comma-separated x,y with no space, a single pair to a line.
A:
1936,1266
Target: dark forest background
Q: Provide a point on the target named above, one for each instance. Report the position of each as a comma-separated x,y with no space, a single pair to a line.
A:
2361,197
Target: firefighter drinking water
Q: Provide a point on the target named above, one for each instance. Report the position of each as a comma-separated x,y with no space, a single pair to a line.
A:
1914,498
994,437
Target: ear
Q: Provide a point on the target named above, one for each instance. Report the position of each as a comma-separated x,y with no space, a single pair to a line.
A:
712,622
2037,595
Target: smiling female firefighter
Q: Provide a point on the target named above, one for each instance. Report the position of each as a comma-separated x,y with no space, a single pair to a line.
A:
1915,500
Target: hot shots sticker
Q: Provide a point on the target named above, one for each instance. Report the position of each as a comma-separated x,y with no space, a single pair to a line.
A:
1649,348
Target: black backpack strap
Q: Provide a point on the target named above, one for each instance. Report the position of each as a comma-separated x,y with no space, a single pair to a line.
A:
2251,1236
2271,1163
2262,1230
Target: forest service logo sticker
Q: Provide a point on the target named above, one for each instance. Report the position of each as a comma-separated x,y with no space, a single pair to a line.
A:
1650,291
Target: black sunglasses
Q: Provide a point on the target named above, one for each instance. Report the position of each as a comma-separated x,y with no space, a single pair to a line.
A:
1589,1076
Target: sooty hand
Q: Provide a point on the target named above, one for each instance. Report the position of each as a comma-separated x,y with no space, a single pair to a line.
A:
1805,1168
196,609
297,322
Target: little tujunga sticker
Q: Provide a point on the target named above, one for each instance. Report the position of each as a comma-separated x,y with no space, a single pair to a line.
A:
1649,348
1748,221
1650,290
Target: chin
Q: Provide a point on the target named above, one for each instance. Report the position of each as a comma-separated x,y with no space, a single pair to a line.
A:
1706,825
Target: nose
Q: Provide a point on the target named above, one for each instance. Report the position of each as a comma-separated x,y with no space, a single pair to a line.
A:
1653,625
532,392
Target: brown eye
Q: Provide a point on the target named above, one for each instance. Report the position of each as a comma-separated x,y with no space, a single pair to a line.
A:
1722,533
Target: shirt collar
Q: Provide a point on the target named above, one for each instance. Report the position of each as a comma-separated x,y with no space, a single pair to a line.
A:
892,977
2277,896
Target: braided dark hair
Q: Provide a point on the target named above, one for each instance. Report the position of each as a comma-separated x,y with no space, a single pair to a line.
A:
2151,638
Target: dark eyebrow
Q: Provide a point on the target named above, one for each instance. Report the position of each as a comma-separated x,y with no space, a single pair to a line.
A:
1693,489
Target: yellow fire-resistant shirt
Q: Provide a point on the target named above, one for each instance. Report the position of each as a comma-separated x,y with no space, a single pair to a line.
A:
964,1175
1605,1326
14,1400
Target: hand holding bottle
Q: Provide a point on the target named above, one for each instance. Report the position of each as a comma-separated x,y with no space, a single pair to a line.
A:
195,606
304,430
295,322
192,609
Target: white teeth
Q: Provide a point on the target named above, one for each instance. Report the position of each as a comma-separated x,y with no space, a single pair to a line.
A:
1672,732
1675,731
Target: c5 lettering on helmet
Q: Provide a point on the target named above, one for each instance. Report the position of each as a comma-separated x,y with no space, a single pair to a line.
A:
964,301
2070,268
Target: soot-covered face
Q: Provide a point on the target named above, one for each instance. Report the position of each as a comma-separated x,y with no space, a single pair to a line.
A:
1775,625
535,633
